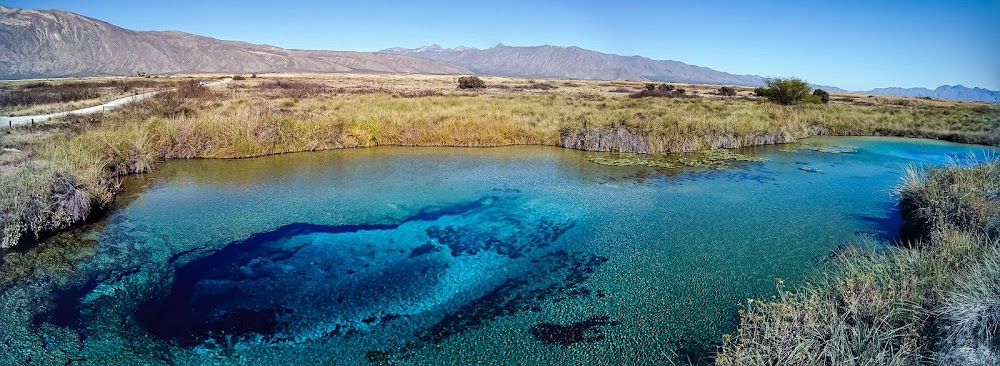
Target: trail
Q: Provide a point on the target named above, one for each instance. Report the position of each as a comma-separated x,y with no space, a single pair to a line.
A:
14,121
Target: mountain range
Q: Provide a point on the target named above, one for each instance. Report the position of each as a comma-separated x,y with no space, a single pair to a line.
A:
53,43
573,63
48,43
956,92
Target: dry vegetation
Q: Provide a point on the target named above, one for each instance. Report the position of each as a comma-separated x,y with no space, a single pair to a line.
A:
272,114
45,96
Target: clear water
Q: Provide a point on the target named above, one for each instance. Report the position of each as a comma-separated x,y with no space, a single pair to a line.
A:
393,255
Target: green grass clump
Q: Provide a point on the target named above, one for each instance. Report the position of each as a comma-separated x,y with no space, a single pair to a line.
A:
936,300
38,197
959,197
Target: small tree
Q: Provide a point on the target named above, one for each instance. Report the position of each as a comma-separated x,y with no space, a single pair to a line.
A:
784,91
665,87
823,95
470,82
650,86
727,91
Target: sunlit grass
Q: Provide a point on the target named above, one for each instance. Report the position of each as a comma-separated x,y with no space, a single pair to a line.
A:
254,119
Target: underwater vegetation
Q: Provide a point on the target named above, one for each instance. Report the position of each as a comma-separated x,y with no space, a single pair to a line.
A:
566,335
829,149
711,159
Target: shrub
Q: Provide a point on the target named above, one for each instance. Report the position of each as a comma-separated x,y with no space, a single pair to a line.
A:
665,87
650,86
470,82
541,86
239,77
294,89
727,91
784,91
823,95
680,91
811,99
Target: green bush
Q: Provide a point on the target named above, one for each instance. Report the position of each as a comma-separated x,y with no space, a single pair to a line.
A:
784,91
650,87
471,82
811,99
727,91
823,95
665,87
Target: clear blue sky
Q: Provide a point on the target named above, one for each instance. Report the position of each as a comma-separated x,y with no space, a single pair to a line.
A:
851,44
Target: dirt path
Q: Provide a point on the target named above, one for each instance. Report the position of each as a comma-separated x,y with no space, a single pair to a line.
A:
12,121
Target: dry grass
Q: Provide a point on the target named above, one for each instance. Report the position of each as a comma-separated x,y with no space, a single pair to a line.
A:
287,113
38,97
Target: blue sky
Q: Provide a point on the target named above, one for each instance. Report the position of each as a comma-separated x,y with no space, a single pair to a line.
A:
851,44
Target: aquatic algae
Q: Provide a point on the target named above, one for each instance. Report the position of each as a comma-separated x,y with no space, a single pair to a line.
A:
716,158
630,159
567,335
828,149
712,158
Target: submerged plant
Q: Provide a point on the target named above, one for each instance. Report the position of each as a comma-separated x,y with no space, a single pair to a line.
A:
714,158
829,149
628,159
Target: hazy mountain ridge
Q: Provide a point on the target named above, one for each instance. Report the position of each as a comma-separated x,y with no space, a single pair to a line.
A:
577,63
956,92
47,43
51,43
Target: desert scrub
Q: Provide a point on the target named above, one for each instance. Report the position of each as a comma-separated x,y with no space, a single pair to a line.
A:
935,300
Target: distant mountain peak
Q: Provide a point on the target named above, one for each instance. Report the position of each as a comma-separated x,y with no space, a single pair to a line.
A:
432,48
